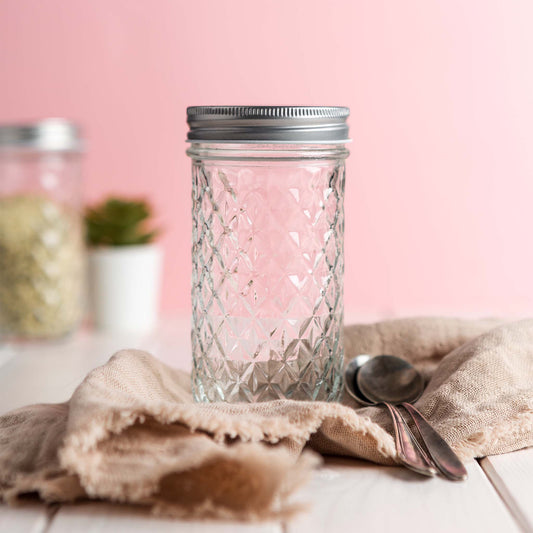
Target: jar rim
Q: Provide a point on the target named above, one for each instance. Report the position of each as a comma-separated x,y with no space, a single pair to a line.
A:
238,151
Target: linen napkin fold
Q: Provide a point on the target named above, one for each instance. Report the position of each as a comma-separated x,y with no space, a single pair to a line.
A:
131,432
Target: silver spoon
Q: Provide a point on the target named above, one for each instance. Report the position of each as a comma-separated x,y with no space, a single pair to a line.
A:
409,451
392,380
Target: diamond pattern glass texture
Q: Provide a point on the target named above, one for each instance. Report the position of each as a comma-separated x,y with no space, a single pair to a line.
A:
267,280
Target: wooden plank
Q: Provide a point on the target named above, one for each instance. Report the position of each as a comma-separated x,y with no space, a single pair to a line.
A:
103,517
7,352
26,517
348,495
49,372
512,476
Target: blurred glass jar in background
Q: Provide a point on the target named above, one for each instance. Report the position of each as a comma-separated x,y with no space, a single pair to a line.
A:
42,262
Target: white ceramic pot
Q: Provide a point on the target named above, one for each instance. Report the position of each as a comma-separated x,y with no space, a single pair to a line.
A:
124,287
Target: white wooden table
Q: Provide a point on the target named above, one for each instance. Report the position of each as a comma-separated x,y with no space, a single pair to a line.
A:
345,495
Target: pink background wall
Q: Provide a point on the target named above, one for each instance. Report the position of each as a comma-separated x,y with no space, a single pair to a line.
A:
439,190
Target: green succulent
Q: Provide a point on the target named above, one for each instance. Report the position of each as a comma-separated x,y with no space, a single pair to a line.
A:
117,222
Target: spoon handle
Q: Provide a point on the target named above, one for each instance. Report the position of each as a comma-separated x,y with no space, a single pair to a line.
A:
443,456
409,451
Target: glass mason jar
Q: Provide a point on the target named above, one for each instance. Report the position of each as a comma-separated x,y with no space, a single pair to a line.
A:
41,230
268,265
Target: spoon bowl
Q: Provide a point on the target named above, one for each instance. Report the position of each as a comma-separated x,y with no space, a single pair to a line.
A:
350,379
386,378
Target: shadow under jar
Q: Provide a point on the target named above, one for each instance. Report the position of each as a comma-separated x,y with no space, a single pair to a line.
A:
268,264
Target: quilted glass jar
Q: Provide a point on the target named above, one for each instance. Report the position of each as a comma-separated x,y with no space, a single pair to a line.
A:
41,230
267,279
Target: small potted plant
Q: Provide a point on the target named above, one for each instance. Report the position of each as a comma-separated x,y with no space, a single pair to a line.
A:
124,265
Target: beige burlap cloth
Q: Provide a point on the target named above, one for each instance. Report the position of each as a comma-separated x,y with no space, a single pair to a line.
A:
131,433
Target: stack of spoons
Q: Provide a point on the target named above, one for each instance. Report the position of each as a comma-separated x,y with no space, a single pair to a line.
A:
393,382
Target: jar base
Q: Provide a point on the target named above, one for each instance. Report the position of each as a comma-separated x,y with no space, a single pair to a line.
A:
265,381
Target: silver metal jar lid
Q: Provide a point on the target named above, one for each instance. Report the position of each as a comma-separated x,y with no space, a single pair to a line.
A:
268,124
51,134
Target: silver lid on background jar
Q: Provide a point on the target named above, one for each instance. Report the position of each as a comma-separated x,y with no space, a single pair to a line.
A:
51,134
268,124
